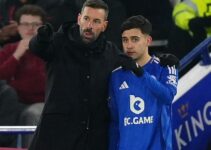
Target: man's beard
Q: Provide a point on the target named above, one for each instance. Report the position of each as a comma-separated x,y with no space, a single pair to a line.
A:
91,37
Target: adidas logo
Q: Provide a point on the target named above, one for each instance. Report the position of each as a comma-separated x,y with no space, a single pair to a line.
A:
124,86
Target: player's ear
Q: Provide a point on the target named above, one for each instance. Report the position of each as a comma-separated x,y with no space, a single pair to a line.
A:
105,24
79,19
149,39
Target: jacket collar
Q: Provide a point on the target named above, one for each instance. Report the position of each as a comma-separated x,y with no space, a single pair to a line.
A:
71,31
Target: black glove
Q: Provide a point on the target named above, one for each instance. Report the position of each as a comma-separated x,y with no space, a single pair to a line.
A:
168,60
128,63
45,33
200,22
198,27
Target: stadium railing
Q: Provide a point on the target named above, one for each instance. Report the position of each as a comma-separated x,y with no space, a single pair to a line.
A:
19,130
202,49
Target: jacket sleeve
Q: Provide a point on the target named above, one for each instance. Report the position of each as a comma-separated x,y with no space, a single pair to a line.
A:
8,63
164,88
182,14
42,49
114,125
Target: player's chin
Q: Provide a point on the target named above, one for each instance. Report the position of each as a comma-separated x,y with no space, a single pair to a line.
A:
27,36
88,40
132,55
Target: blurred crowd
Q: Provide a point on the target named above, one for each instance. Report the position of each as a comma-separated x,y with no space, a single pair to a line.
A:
182,23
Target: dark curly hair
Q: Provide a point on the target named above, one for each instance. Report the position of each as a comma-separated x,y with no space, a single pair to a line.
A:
33,10
138,22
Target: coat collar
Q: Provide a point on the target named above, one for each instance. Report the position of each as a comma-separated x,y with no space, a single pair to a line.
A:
71,31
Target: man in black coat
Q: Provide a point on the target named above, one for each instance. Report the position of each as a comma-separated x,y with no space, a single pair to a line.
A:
80,61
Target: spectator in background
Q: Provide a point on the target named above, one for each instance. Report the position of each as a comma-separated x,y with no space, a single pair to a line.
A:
193,17
58,11
23,72
8,27
174,2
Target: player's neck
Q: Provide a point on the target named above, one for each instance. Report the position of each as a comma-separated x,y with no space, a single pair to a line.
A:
144,60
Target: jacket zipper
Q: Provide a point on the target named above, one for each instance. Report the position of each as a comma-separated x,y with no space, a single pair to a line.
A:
88,121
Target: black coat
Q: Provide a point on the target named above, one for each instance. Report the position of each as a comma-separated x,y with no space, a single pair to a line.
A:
76,115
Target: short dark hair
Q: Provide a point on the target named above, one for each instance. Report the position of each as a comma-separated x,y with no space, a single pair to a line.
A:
99,4
138,22
33,10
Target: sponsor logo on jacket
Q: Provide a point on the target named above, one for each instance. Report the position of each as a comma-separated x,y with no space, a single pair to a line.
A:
137,106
